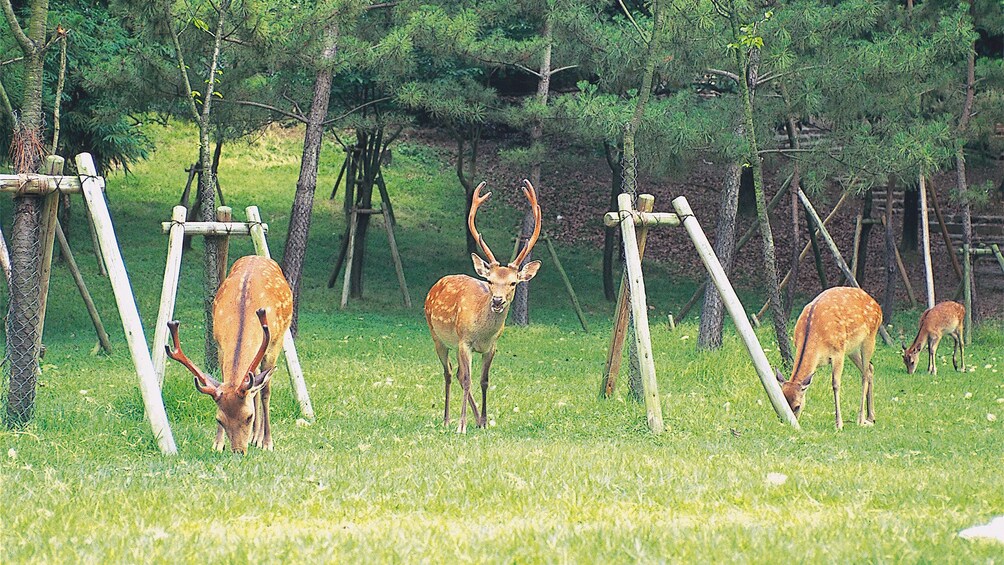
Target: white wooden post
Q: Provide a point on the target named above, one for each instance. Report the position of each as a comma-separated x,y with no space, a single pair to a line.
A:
349,252
735,309
169,292
122,289
296,380
926,236
642,336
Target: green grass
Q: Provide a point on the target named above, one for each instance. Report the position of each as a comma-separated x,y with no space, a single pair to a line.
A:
560,477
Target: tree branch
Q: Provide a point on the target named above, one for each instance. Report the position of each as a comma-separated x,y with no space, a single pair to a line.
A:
27,46
726,74
357,108
8,110
9,61
269,107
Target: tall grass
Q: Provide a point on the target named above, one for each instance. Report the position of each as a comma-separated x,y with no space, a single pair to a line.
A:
558,476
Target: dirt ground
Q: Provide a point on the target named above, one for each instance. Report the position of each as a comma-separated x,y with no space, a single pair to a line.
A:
575,194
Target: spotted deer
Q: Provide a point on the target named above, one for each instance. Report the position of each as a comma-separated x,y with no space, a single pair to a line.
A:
255,295
840,321
468,314
944,318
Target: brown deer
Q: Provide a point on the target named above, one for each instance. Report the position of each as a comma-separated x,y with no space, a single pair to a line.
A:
255,287
468,314
941,319
840,321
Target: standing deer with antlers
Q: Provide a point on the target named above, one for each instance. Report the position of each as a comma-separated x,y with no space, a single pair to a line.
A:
255,287
468,314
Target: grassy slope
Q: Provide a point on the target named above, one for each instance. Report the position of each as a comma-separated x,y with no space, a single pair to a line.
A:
560,477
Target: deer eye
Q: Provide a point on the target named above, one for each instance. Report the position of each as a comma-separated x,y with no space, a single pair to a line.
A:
249,418
512,283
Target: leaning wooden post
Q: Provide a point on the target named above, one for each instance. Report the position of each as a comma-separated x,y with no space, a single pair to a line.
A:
92,311
388,223
122,289
296,381
736,311
646,202
639,310
568,283
50,208
944,229
997,253
836,253
926,236
5,258
967,292
169,290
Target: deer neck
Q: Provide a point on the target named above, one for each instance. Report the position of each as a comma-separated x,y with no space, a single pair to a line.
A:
805,358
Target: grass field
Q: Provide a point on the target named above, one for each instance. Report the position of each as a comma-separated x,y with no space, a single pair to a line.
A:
560,476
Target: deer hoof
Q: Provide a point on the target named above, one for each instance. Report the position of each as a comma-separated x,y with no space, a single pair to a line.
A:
462,428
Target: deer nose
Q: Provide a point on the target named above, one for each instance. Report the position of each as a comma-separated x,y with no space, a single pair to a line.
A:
498,303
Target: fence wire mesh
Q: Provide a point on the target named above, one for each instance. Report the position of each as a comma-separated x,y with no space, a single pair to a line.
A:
21,356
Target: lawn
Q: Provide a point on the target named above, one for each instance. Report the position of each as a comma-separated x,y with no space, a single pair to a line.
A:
558,476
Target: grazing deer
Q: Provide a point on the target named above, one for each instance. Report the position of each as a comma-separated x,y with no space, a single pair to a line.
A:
943,318
468,314
255,287
840,321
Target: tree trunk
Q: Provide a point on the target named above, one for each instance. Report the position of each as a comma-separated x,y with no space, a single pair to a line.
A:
25,245
866,230
303,199
961,183
521,299
610,233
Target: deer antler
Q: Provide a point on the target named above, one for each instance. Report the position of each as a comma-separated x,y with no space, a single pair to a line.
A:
205,383
531,195
476,202
249,380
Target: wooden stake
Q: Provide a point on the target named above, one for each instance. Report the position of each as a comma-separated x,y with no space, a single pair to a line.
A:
903,275
967,292
836,253
926,237
997,253
92,311
646,202
122,289
736,311
944,229
296,380
47,230
347,281
639,311
169,290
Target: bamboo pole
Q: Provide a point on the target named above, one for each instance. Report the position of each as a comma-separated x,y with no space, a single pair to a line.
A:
858,224
296,380
122,289
836,253
926,237
40,184
997,253
92,311
646,202
735,309
640,218
213,228
967,292
639,311
398,267
347,281
568,284
169,290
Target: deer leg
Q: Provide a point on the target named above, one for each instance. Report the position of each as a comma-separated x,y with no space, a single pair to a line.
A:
867,383
486,363
444,357
256,425
856,358
838,367
957,344
464,375
932,352
264,395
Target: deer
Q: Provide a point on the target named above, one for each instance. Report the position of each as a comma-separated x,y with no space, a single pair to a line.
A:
944,318
254,289
468,314
840,321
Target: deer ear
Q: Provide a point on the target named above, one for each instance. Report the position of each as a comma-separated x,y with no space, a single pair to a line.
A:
257,381
481,267
529,271
780,377
807,381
